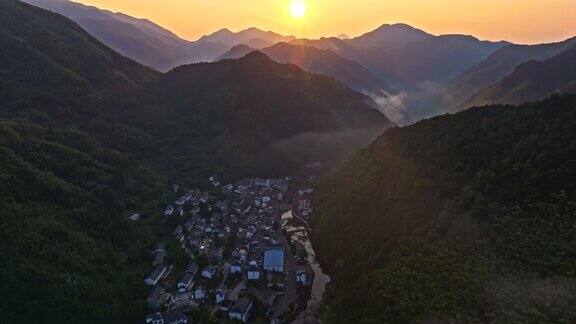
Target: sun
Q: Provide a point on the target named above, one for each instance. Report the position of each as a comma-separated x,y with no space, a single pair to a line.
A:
298,9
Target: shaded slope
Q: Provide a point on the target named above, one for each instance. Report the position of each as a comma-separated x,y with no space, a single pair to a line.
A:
467,217
261,106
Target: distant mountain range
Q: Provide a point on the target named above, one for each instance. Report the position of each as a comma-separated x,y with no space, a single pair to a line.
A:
415,64
150,44
252,37
498,66
531,81
404,55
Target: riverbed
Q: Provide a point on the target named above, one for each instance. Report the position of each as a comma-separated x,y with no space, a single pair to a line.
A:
321,279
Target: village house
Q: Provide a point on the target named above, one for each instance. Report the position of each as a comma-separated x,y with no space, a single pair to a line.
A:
204,197
158,273
241,309
185,283
253,272
199,292
274,258
155,318
302,275
175,318
155,296
209,272
221,294
216,255
158,252
235,267
169,210
192,268
183,299
134,217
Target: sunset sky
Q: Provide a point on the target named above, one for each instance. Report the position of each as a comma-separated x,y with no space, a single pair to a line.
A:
521,21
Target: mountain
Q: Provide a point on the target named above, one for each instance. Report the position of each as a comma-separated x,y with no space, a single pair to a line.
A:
387,35
245,98
316,60
237,52
427,59
419,71
70,174
139,39
88,137
252,37
531,81
500,64
459,218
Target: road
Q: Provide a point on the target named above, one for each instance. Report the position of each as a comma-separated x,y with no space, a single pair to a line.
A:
290,286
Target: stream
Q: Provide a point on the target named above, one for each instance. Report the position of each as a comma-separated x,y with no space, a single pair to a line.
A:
300,234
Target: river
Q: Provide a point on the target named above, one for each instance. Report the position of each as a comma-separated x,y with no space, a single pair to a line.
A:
300,234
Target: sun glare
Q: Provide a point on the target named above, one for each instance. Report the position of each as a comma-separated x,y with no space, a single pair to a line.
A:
298,9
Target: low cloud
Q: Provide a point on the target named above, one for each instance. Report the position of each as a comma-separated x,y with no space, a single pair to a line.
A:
392,106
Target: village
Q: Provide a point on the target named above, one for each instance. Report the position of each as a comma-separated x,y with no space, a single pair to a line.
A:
242,264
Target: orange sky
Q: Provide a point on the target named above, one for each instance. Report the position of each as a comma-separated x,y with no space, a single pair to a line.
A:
521,21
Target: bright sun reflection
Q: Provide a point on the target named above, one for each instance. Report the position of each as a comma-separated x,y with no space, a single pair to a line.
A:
298,8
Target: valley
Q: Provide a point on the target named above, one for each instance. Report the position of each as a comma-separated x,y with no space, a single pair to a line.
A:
398,175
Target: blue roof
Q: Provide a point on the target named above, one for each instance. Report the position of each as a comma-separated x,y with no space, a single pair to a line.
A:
274,257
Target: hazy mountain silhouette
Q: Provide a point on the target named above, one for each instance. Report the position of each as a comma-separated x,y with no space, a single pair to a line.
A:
500,64
531,81
139,39
252,37
391,35
428,58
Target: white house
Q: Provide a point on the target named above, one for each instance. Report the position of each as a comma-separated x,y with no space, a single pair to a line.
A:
253,271
199,292
235,267
241,310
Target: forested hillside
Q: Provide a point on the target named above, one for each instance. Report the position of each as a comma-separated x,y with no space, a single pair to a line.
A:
69,252
467,217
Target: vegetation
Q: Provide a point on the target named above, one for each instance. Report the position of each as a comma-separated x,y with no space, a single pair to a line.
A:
88,137
69,252
467,217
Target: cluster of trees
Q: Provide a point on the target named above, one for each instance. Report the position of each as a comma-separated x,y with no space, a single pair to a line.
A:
463,217
69,251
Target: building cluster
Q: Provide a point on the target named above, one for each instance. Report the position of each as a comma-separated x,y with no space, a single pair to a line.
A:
233,239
